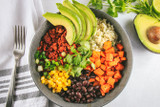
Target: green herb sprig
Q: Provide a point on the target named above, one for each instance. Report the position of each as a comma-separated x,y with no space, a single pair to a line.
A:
119,6
78,60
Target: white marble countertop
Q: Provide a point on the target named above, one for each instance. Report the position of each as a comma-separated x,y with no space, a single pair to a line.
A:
142,89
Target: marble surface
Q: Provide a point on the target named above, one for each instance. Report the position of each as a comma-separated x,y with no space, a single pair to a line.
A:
142,89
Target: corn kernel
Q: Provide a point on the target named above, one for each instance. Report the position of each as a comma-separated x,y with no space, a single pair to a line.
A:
69,81
43,81
53,90
65,89
46,82
66,75
53,86
49,86
60,74
42,78
50,82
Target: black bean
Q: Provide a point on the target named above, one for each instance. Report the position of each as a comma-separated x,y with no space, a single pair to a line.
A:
72,93
88,96
90,88
83,77
83,99
88,77
78,94
98,93
74,86
94,95
72,98
84,89
89,100
91,94
74,80
87,71
85,83
62,94
68,91
78,100
97,87
93,76
78,88
94,91
79,84
67,99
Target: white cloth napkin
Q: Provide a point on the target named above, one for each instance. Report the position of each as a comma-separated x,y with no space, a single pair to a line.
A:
27,13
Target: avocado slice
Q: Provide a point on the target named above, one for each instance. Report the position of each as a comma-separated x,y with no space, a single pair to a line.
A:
142,24
69,5
88,12
58,19
73,17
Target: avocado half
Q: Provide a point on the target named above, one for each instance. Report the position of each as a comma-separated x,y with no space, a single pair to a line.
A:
142,23
58,19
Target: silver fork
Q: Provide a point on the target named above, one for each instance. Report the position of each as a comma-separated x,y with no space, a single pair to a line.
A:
18,52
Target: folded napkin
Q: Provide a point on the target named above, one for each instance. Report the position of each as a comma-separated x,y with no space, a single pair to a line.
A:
27,13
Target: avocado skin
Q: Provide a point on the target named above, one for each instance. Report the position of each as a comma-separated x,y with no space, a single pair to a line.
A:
142,23
58,19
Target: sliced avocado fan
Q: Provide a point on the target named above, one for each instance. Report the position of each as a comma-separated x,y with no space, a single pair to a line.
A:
73,17
58,19
88,12
69,5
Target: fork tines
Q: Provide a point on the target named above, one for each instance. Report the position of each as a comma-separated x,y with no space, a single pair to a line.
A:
19,37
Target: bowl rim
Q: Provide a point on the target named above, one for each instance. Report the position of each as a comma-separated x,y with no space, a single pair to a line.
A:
119,89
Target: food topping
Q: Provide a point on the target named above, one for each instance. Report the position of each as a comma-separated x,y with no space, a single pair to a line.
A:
105,32
56,80
81,90
108,64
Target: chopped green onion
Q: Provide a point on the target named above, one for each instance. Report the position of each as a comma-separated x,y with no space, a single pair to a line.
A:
48,77
52,67
37,61
63,54
40,68
56,63
41,62
59,58
47,64
36,55
45,74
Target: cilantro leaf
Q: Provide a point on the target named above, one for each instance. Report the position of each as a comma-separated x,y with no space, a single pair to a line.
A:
77,59
69,58
73,50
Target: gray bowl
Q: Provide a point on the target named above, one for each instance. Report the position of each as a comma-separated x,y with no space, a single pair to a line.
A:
101,101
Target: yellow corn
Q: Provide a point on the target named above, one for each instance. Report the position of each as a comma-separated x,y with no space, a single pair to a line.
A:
58,81
65,89
49,86
43,81
42,78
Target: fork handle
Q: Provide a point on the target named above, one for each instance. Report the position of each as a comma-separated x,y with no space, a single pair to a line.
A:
9,101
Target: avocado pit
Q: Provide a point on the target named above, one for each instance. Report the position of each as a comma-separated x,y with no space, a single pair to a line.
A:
153,34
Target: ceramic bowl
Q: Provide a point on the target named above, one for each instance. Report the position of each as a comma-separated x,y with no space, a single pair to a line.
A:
101,101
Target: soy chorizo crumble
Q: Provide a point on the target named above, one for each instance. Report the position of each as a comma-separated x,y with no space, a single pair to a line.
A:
54,43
